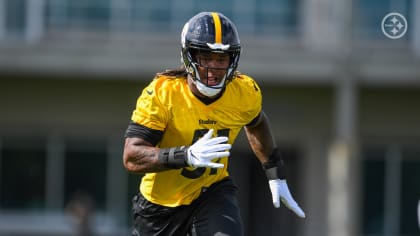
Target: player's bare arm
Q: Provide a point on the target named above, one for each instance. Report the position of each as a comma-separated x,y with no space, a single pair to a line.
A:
141,157
262,143
260,138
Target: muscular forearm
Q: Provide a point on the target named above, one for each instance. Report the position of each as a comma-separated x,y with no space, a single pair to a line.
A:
261,139
140,157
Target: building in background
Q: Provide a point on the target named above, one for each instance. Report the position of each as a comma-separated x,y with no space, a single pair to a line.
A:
342,97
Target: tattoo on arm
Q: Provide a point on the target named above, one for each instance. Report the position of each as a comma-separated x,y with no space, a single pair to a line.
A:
140,157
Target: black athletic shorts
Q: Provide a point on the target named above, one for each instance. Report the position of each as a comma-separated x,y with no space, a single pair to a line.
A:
214,212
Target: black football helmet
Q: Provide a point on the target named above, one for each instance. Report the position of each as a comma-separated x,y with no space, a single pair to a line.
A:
210,32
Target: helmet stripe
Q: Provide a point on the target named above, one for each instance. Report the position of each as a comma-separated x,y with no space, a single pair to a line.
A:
217,28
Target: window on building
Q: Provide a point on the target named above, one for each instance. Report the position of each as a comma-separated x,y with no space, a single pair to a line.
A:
15,16
151,15
267,17
22,173
85,170
391,190
410,191
79,14
276,16
373,190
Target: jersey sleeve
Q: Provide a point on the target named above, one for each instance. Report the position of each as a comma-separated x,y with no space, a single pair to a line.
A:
150,111
252,97
258,100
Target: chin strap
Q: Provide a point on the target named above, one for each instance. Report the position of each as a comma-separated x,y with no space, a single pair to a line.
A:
207,90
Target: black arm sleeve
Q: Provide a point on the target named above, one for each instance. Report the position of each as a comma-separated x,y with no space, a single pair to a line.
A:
274,168
140,131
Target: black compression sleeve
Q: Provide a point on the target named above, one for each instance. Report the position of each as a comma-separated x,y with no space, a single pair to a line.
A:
150,135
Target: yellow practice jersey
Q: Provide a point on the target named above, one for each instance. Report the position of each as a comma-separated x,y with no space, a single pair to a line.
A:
167,104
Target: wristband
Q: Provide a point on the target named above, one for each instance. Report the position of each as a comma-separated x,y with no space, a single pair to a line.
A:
174,157
274,168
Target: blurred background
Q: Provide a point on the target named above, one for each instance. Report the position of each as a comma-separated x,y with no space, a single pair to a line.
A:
342,97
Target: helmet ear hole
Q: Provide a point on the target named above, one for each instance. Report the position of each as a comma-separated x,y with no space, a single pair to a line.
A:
190,62
193,54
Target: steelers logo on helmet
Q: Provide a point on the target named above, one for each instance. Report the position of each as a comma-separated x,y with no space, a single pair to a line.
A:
209,32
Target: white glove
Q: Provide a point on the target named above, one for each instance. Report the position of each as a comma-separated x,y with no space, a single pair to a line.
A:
280,191
206,149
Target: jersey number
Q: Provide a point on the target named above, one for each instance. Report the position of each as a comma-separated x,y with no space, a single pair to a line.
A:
196,173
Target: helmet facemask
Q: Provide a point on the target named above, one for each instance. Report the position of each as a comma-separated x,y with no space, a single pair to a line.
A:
193,62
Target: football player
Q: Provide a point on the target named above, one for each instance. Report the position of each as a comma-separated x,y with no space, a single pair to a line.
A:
181,132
